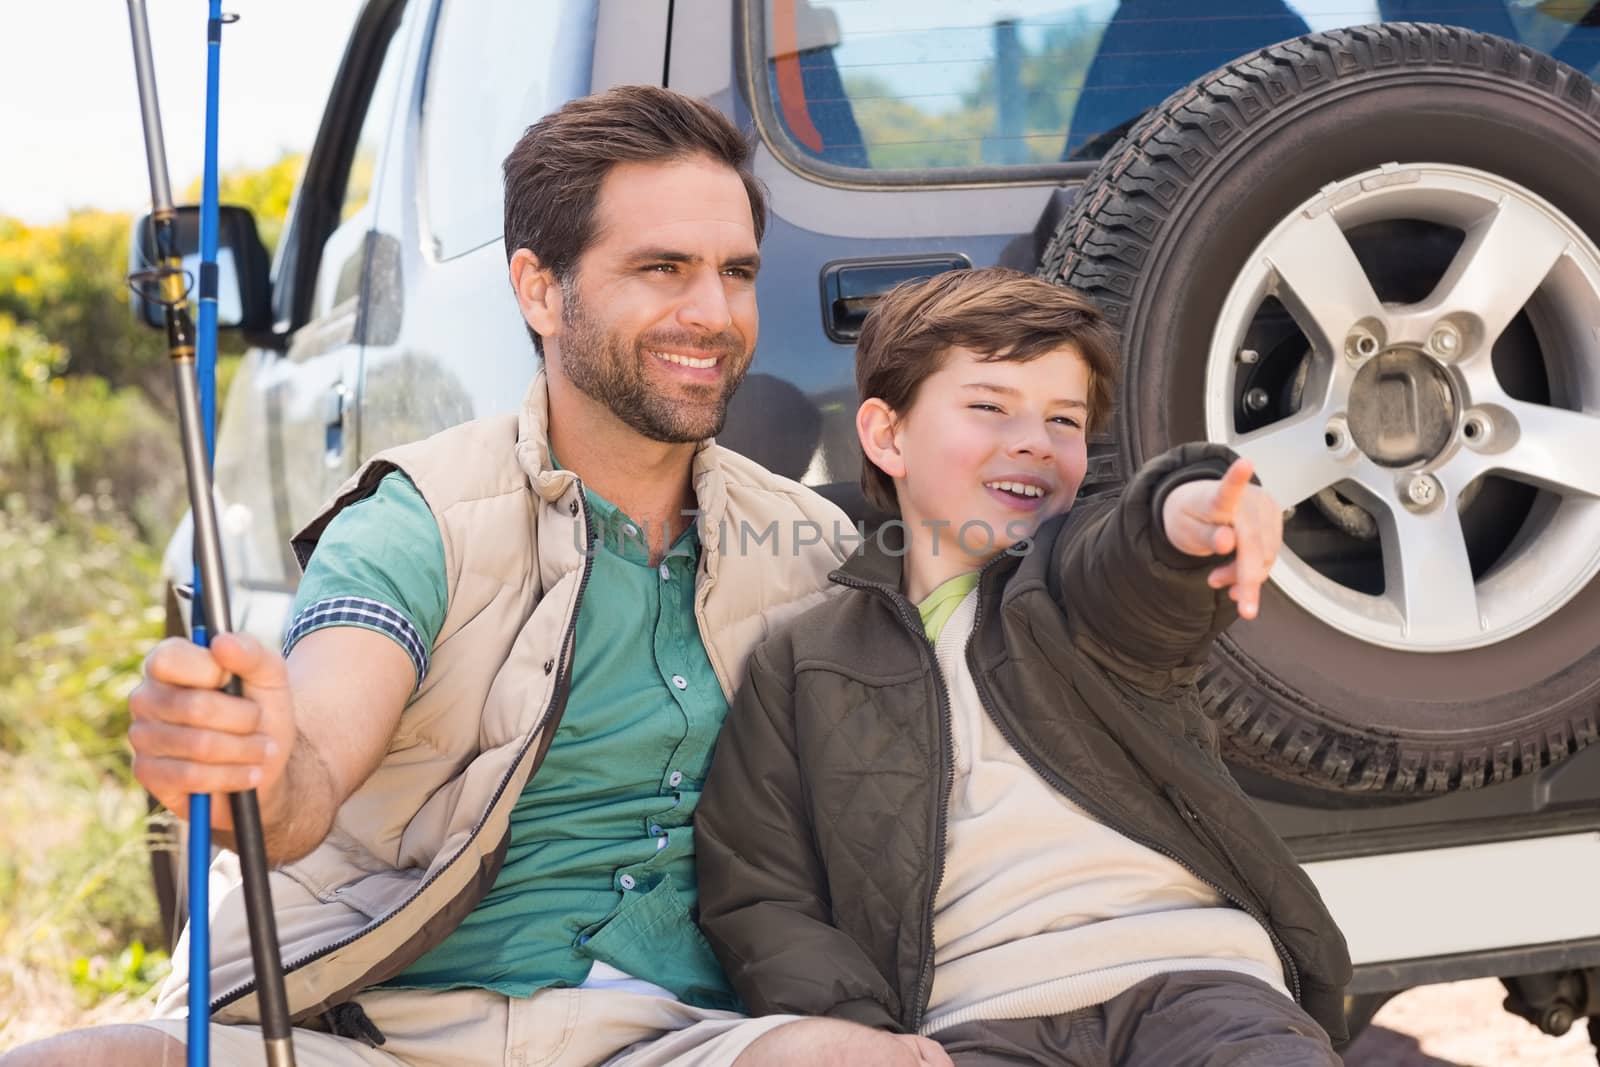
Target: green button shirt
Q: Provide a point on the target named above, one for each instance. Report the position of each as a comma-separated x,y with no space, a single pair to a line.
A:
600,864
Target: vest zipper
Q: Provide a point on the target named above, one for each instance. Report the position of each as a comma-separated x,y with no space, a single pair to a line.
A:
1181,802
1290,969
558,695
912,620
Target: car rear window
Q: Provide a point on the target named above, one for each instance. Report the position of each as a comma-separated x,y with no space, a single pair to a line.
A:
925,89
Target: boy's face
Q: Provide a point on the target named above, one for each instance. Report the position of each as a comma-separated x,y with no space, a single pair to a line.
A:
996,443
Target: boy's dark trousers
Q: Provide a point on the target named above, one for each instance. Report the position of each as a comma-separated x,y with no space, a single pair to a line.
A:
1184,1019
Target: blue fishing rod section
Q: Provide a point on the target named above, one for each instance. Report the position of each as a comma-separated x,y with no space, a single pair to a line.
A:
199,867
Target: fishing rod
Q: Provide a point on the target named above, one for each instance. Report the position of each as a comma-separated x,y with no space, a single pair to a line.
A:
196,389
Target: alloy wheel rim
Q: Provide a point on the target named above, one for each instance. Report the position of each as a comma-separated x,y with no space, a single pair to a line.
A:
1401,411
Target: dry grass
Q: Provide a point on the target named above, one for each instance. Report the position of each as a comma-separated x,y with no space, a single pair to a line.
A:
77,614
75,877
45,1005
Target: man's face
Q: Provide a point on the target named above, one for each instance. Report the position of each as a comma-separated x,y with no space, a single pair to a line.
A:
996,443
659,320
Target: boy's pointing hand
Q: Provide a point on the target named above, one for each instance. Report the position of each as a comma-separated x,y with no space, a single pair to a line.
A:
1213,517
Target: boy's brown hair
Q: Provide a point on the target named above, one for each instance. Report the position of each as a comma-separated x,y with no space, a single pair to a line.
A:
999,313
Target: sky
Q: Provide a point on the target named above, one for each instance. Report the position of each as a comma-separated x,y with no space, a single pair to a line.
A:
70,134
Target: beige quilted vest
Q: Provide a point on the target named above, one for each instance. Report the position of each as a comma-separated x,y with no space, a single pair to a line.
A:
418,844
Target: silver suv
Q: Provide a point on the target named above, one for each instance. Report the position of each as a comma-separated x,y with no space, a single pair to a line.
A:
1363,255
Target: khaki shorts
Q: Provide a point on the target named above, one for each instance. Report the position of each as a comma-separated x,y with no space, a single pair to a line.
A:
552,1028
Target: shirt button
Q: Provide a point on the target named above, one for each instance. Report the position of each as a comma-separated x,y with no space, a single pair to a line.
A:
631,530
666,573
680,681
627,882
675,779
655,829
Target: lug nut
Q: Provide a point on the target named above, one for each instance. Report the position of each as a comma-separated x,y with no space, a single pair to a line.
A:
1257,399
1337,436
1422,490
1445,340
1361,345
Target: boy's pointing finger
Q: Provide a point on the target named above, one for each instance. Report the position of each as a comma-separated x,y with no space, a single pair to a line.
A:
1231,488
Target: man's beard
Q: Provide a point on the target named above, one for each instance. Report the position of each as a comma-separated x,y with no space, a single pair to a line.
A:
610,370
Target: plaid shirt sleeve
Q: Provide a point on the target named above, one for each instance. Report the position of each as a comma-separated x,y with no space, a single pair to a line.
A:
378,566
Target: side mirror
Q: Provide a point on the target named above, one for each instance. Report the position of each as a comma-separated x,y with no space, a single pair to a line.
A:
244,288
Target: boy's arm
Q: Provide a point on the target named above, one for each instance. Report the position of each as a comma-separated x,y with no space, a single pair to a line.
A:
764,902
1135,603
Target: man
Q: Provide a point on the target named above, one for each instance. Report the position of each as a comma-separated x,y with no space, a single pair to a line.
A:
511,655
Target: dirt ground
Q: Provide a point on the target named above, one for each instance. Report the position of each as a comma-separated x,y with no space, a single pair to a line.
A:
1463,1025
1456,1025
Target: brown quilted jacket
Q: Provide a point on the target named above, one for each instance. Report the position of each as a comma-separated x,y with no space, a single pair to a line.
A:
821,833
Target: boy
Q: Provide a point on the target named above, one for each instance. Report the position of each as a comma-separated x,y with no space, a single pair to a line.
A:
974,798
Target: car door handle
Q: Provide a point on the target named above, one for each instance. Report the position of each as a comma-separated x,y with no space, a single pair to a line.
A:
333,425
850,287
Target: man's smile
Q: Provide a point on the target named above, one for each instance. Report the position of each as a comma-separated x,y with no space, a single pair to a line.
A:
684,360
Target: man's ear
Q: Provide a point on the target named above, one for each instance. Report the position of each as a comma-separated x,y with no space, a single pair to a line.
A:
538,293
877,428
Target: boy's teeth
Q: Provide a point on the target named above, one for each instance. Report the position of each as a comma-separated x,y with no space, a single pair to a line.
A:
685,361
1016,487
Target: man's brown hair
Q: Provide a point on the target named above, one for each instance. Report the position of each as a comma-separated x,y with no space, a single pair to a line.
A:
999,313
553,175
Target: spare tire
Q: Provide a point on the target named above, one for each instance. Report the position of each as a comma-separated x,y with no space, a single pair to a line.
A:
1366,260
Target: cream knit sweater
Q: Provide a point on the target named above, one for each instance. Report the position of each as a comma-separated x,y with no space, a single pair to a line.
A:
1045,910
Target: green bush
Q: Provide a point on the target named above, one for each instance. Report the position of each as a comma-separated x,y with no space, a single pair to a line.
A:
68,280
137,968
66,438
78,610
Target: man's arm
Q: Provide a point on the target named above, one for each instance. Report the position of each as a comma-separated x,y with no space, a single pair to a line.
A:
763,891
305,734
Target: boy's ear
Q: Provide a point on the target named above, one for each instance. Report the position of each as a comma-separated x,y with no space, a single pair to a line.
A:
538,293
876,426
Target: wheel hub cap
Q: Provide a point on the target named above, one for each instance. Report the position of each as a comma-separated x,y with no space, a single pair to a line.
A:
1402,409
